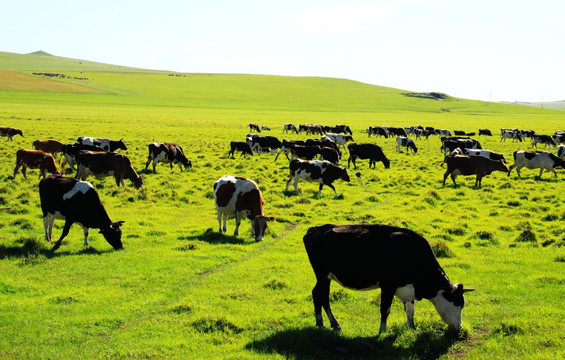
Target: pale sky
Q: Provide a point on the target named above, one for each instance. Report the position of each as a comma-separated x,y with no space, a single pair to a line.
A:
499,50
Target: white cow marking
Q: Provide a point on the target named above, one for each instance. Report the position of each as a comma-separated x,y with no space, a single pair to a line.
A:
81,186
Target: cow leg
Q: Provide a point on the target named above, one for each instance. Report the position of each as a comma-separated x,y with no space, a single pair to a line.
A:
17,168
331,186
66,229
296,184
387,294
321,298
48,221
288,183
85,230
219,214
24,170
541,172
453,176
409,309
237,222
445,177
147,163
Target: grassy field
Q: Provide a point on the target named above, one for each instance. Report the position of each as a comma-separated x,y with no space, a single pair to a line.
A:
181,290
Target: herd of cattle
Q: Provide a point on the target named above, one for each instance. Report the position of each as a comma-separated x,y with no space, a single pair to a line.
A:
343,253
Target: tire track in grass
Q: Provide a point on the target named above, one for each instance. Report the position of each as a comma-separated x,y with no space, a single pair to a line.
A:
267,245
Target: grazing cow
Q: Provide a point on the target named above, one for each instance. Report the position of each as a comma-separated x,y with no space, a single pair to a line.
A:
442,132
451,143
536,160
240,146
70,152
290,127
10,132
101,164
258,142
304,152
407,143
471,165
378,131
76,201
486,153
372,152
329,154
314,129
510,134
341,129
35,159
370,256
238,196
254,127
266,128
561,151
49,146
398,131
339,139
458,132
544,139
105,144
287,146
316,171
167,153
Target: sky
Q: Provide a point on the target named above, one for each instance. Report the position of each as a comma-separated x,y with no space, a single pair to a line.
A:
490,50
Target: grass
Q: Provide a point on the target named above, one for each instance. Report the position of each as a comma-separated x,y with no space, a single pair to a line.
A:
181,290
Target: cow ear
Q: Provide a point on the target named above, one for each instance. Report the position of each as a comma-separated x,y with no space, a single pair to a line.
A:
120,223
468,290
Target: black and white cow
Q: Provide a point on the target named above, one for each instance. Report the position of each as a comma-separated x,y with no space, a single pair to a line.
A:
536,160
408,143
289,127
316,171
103,143
287,146
471,165
510,134
259,142
167,153
543,139
239,146
561,151
70,152
559,137
254,127
369,256
76,202
102,164
377,131
238,196
486,153
372,152
339,139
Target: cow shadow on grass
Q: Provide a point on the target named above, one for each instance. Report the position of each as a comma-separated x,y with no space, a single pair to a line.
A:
320,343
32,248
215,238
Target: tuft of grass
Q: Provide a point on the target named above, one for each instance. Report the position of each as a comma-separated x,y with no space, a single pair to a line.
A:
527,236
506,330
441,250
275,285
212,325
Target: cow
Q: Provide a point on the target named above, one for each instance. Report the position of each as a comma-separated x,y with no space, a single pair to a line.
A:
451,143
510,134
340,129
329,154
372,152
105,144
287,146
76,201
559,138
486,153
254,127
10,132
544,139
304,152
339,139
407,143
167,153
266,128
458,132
311,129
471,165
369,256
442,132
35,159
289,127
378,131
239,146
238,196
561,151
70,152
536,160
101,164
49,146
258,142
316,171
398,131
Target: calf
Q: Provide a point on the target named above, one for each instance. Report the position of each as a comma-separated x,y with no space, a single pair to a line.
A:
167,153
372,152
471,165
239,146
35,159
103,143
319,171
408,143
486,153
536,160
101,164
10,132
238,196
289,127
544,139
370,256
76,201
49,146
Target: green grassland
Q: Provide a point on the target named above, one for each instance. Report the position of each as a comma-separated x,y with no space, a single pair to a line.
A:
181,290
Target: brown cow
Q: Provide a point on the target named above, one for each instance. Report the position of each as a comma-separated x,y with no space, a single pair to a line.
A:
35,159
9,132
50,146
101,164
471,165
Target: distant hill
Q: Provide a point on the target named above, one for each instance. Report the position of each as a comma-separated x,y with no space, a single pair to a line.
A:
549,105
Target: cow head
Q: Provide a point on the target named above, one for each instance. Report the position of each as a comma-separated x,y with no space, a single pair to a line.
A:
344,175
499,165
113,235
137,181
449,304
121,145
386,163
259,225
18,132
187,163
